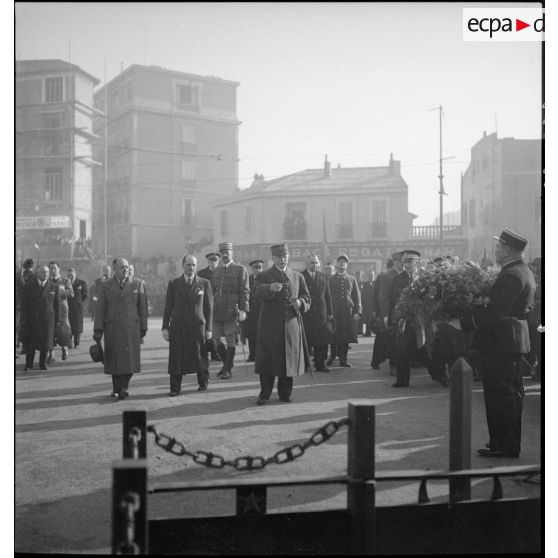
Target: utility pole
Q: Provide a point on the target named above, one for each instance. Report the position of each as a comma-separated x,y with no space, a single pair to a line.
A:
105,166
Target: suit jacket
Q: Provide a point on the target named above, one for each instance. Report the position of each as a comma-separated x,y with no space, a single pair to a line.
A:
188,315
40,310
501,327
345,296
121,314
230,289
279,349
315,319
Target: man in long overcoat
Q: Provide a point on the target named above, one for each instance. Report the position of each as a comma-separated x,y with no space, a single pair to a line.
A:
502,337
253,315
40,312
320,312
347,308
280,352
121,316
230,303
75,304
207,273
187,325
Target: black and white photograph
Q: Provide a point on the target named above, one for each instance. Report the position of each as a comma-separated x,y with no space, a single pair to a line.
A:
279,277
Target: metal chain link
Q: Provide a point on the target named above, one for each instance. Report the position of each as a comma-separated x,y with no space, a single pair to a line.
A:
129,505
247,462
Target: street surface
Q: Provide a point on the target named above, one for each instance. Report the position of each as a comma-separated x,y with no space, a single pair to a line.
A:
68,431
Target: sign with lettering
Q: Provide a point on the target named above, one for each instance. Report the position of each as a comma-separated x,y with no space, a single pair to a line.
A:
43,222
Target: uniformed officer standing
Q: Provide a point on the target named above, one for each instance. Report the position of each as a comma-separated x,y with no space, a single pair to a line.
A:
502,337
280,350
231,292
252,317
207,273
320,313
347,309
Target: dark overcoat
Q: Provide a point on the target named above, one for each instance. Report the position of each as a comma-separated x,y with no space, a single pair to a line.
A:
188,315
400,283
121,314
279,348
230,289
251,323
75,306
40,311
315,319
367,296
345,297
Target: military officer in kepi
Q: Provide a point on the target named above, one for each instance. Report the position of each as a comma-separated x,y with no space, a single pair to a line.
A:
347,309
230,305
280,350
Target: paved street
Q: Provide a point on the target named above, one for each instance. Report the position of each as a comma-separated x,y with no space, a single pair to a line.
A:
68,432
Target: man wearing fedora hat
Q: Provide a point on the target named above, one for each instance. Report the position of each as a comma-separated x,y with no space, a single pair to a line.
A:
280,350
231,292
502,337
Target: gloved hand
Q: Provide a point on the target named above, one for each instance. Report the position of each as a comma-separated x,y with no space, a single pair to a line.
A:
97,336
166,335
241,315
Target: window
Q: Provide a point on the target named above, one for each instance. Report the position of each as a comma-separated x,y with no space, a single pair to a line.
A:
224,222
188,170
472,213
345,227
294,225
53,186
53,139
53,90
379,219
188,138
249,219
187,211
186,95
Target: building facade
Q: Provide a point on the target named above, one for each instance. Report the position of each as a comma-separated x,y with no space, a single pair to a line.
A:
362,212
172,149
53,152
502,187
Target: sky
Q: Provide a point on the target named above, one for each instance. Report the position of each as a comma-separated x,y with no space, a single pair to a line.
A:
355,81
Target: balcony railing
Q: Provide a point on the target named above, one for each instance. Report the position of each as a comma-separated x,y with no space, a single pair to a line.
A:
433,231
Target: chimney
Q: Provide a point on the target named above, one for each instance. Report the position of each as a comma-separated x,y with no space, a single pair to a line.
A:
327,168
394,166
258,179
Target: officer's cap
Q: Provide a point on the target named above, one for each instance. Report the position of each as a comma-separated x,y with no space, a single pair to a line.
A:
343,257
512,239
255,262
279,250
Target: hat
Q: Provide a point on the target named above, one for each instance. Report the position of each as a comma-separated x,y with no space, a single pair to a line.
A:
213,255
410,255
512,239
28,262
396,256
343,257
225,246
96,352
254,262
279,250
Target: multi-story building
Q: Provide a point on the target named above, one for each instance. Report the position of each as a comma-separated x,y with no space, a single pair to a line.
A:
362,212
502,187
172,149
54,116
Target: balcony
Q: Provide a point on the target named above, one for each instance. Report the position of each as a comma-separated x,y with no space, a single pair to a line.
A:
433,231
345,231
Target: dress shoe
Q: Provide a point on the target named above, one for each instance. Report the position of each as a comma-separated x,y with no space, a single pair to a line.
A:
345,364
444,381
285,399
496,453
226,375
114,394
64,353
374,366
202,388
174,393
50,359
261,401
222,371
323,368
123,394
43,367
28,369
399,384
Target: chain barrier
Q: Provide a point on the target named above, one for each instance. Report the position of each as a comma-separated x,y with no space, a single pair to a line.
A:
247,462
129,505
134,438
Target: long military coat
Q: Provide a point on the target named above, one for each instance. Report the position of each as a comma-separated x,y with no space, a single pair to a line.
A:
121,313
75,306
279,349
345,297
315,319
230,288
188,315
40,310
250,325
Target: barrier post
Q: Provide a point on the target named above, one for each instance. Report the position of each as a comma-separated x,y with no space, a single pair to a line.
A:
129,507
134,435
361,497
461,376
